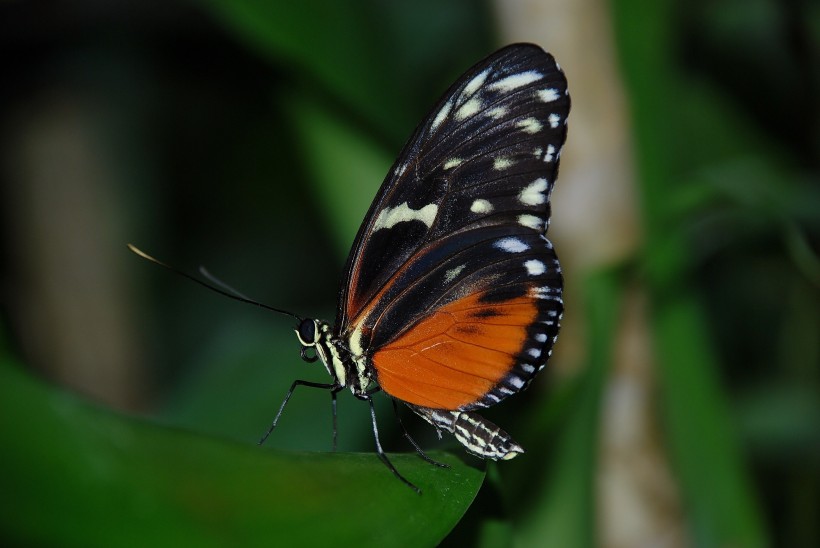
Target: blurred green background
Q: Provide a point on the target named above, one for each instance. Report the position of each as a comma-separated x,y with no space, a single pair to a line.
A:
251,136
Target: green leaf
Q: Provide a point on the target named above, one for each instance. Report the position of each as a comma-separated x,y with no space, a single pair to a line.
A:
79,474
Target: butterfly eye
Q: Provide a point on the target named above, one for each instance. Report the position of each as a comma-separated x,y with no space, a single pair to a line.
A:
306,333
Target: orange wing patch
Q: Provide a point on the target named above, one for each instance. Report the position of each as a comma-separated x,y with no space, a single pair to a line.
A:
457,355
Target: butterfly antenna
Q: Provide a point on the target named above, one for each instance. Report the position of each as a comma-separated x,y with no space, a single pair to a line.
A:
219,283
217,287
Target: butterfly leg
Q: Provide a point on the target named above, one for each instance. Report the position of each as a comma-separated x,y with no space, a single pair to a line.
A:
333,393
324,386
379,449
412,441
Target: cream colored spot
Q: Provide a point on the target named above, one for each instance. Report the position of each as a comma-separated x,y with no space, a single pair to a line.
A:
534,193
547,95
500,164
530,125
550,154
442,114
388,218
530,221
518,382
497,112
516,81
511,245
453,162
535,267
475,83
545,293
468,109
481,206
453,273
553,120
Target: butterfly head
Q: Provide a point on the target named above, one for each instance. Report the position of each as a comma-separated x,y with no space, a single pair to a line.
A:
308,332
317,335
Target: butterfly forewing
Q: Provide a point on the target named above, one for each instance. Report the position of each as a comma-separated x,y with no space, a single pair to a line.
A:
487,154
453,293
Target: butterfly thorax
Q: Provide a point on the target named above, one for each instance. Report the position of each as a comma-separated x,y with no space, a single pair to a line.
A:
341,365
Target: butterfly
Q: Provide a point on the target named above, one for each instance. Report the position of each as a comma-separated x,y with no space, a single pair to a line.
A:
451,298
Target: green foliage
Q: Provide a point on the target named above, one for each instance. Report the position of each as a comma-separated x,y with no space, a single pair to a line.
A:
710,181
73,473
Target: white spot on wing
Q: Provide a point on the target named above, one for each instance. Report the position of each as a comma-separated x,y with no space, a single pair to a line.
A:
534,267
533,194
517,382
388,218
453,162
534,352
453,273
442,114
468,109
550,154
527,368
497,112
546,293
511,245
475,83
481,206
530,125
500,164
547,95
515,81
530,221
553,120
541,337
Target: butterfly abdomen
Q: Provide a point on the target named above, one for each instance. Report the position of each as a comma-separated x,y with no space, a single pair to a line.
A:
478,435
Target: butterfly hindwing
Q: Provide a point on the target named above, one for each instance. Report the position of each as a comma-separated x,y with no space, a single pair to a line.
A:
466,330
486,155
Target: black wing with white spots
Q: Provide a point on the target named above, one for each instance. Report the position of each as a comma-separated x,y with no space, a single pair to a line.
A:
486,155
